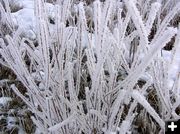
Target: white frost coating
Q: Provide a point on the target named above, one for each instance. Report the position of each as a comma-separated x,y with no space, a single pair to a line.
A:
142,100
157,46
167,55
107,60
146,77
112,133
95,112
125,126
41,86
152,15
26,3
136,17
116,105
65,122
174,68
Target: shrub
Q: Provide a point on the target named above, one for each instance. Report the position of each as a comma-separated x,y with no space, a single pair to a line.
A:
98,78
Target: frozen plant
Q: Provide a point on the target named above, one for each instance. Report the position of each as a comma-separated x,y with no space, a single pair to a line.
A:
99,75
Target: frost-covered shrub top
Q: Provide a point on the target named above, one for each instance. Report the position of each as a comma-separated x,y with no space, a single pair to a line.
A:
93,66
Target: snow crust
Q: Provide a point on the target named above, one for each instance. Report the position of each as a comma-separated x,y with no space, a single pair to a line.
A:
25,18
5,100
